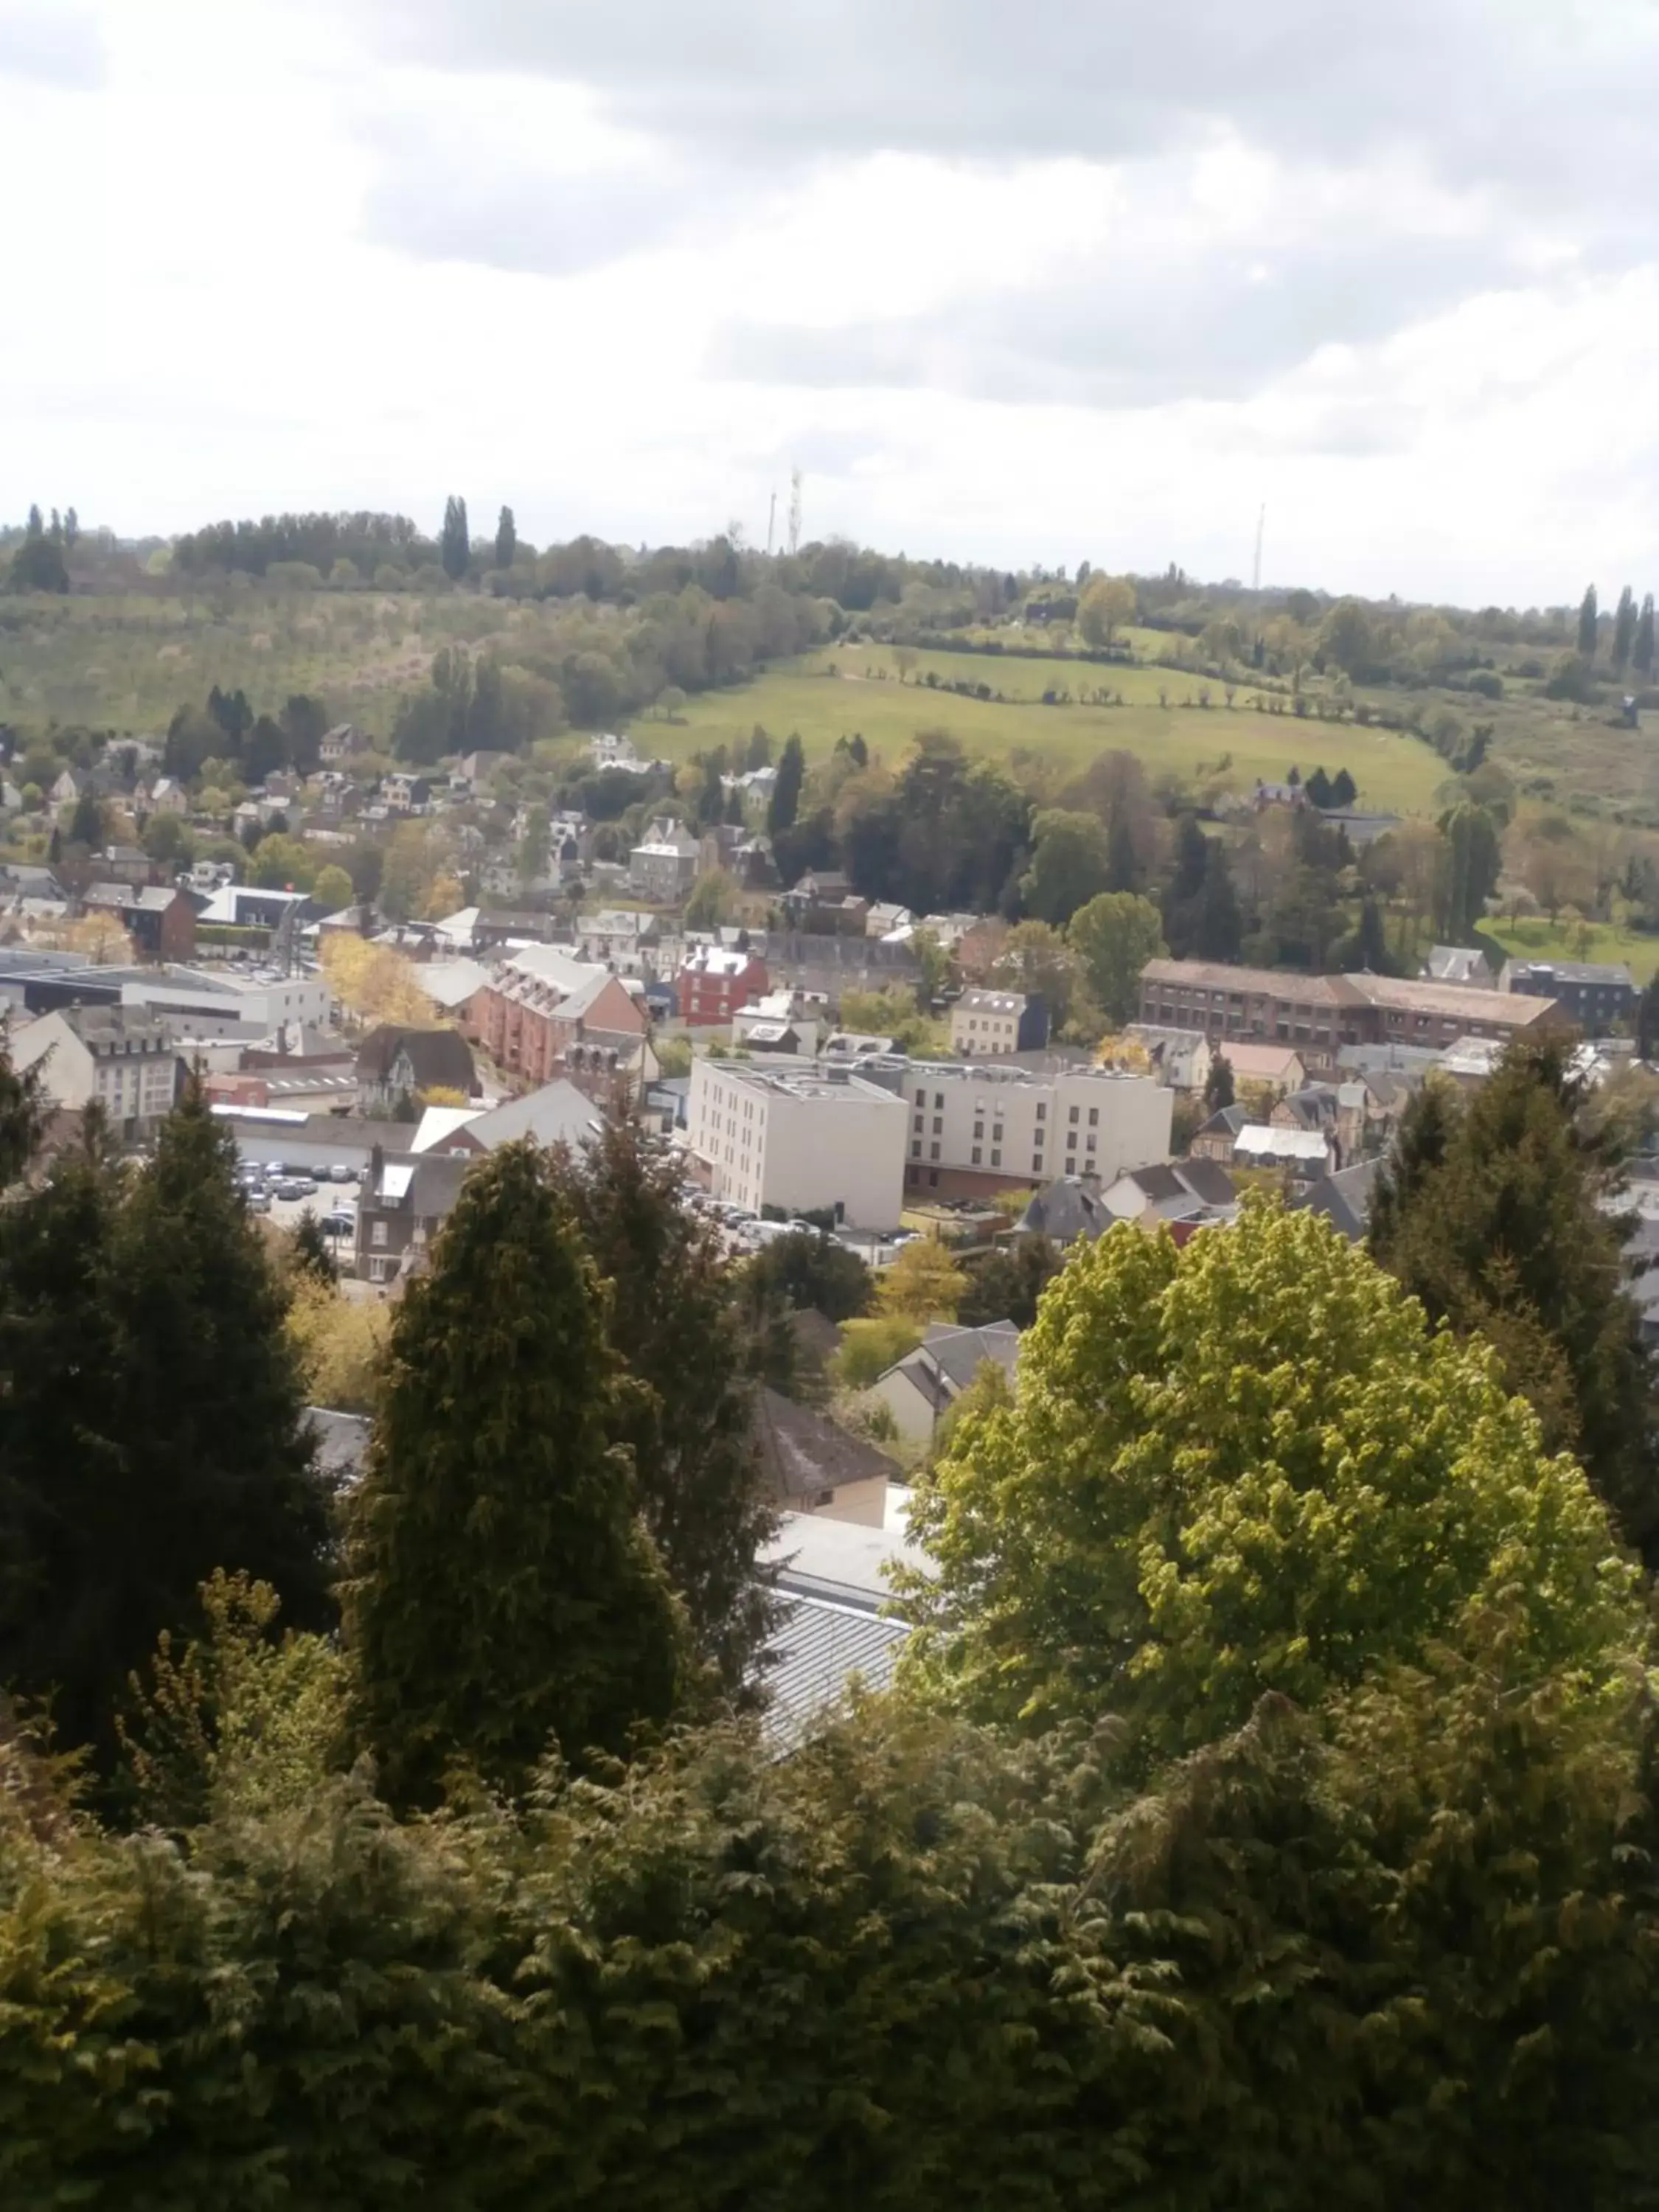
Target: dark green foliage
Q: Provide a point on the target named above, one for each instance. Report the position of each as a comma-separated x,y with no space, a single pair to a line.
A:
454,543
1490,1213
152,1429
1006,1284
1402,1959
311,1250
1319,789
1624,628
501,1589
38,563
87,822
785,802
808,1269
1647,1019
507,538
1642,652
1472,862
1587,624
1218,1090
686,1412
1343,790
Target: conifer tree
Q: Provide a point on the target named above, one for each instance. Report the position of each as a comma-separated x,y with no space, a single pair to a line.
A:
1647,1019
311,1249
1624,628
454,544
1220,928
1642,652
1588,624
501,1589
687,1411
1491,1214
153,1430
507,538
1343,789
785,802
1219,1088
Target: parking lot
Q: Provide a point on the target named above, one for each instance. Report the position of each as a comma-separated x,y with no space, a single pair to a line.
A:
327,1199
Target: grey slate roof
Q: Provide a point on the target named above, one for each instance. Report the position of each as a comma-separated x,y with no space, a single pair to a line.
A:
818,1650
959,1353
805,1452
1344,1198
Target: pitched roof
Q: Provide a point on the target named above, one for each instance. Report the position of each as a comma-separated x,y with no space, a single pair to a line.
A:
816,1650
558,1113
805,1452
1344,1198
1065,1210
961,1353
441,1058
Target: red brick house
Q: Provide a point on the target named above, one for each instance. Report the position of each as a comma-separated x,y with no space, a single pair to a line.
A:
160,919
538,1007
714,983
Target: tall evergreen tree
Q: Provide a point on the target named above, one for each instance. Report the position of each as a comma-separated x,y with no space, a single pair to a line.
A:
1219,1091
1491,1214
1588,620
152,1429
454,543
1647,1020
785,803
1220,929
1474,860
1642,652
687,1415
1344,791
1624,628
507,538
501,1589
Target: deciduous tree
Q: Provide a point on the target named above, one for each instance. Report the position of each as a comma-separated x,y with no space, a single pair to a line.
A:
1114,936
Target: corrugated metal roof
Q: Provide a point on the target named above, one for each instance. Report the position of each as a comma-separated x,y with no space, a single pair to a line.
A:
818,1649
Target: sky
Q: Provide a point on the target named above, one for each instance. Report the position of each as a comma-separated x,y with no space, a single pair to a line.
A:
1093,281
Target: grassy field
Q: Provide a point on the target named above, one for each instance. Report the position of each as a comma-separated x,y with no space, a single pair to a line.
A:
127,663
830,695
1538,939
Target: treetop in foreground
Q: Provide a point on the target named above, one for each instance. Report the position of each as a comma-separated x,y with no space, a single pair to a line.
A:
501,1588
1240,1468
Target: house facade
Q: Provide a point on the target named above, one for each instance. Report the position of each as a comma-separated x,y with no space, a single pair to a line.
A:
998,1022
403,1200
714,983
542,1005
798,1140
1597,995
396,1064
977,1130
159,918
1318,1015
112,1056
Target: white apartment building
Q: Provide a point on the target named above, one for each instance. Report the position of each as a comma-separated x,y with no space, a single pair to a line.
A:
798,1140
976,1129
123,1059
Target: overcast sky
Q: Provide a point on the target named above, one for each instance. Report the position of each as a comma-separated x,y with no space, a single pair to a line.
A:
1087,281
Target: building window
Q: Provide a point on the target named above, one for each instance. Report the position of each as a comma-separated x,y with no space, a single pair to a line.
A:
938,1125
979,1129
1071,1167
377,1233
976,1160
1043,1112
933,1152
1037,1163
1073,1116
996,1158
1094,1117
1089,1144
933,1178
915,1148
939,1098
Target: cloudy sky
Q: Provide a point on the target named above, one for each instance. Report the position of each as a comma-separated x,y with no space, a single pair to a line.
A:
1093,280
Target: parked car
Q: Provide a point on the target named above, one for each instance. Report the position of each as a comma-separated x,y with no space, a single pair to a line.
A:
339,1223
258,1201
340,1172
295,1187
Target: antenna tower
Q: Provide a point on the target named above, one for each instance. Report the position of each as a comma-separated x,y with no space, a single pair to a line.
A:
794,510
771,521
1261,524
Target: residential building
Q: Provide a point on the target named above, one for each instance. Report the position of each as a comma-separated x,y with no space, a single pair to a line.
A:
1273,1067
797,1141
998,1022
1595,995
1320,1014
456,988
542,1003
664,868
764,1025
924,1386
1180,1057
341,743
248,906
1171,1190
1304,1154
474,770
815,1465
831,1631
1067,1211
1216,1139
714,983
1344,1199
396,1064
404,1202
558,1113
978,1128
122,1060
159,918
1460,963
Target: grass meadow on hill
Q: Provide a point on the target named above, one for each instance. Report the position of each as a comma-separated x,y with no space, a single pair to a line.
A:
829,694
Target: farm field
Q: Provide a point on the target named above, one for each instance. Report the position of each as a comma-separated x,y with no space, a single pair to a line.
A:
829,694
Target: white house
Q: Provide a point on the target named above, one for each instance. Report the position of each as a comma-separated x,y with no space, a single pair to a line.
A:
923,1387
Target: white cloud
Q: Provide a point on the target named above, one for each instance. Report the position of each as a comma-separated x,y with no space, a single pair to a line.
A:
1085,295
